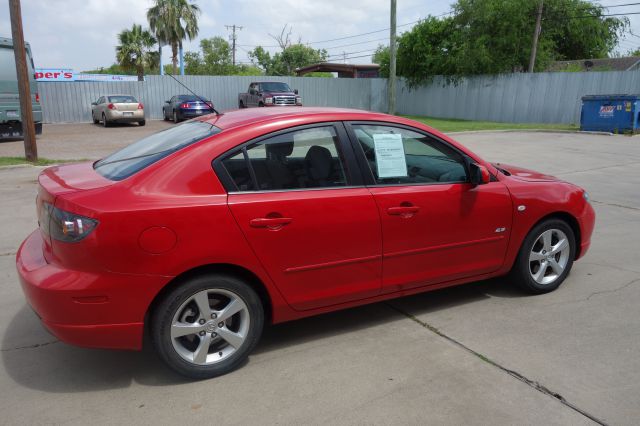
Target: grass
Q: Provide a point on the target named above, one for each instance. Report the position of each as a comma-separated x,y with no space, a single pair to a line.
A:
455,125
13,161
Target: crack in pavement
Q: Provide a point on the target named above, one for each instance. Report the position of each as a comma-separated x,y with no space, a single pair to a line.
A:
532,383
598,168
37,345
596,293
622,206
8,253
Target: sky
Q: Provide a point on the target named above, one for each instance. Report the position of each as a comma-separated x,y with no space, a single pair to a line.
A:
82,34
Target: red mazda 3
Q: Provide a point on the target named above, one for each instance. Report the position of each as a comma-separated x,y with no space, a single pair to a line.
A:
203,232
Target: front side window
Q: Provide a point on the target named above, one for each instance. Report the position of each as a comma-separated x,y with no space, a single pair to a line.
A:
308,158
400,156
146,151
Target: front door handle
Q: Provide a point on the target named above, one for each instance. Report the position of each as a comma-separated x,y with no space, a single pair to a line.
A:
270,222
403,210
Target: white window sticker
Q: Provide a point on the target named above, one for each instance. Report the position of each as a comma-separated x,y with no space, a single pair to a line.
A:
390,155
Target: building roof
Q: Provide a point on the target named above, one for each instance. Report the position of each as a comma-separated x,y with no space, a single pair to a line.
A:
336,67
628,63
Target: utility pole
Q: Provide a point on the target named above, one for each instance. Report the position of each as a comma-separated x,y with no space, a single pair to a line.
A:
536,34
233,27
26,109
392,60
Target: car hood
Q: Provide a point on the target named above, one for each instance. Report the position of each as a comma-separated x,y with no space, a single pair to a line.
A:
524,174
279,93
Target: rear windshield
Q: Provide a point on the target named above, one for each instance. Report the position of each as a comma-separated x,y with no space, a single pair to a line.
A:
191,98
135,157
122,99
275,87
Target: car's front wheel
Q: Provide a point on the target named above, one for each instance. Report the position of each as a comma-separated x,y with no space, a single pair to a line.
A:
207,326
545,258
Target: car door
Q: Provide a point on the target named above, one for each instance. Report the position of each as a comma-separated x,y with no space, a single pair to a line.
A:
436,226
312,224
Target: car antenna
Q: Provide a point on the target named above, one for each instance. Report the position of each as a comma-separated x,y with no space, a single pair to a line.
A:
193,93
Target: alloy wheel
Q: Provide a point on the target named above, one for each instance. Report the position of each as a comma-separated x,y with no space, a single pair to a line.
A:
210,326
549,256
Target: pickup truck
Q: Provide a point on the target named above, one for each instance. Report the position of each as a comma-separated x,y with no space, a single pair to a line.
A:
269,93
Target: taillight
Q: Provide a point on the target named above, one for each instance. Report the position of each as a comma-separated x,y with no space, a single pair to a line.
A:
140,106
65,226
37,97
210,104
111,106
184,106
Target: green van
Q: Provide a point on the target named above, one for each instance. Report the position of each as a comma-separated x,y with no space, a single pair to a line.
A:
10,117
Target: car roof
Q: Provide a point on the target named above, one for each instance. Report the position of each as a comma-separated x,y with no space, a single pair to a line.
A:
298,115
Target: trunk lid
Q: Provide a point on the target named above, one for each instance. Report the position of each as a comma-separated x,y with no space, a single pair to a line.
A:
127,106
524,174
59,180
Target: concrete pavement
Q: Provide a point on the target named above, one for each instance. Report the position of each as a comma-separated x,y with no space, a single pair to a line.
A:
483,353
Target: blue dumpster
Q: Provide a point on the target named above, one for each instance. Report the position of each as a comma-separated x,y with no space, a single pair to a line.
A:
611,113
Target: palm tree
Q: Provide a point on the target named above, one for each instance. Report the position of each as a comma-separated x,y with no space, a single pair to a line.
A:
134,51
173,21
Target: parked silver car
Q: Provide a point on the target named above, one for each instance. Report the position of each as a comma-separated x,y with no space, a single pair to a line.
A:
117,109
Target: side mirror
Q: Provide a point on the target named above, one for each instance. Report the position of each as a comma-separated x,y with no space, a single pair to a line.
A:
93,104
479,174
295,91
167,102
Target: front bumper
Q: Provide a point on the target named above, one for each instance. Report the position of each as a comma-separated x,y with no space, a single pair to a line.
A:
587,221
99,310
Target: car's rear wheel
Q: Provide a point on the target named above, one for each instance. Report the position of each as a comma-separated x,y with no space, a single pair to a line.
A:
241,105
545,258
175,117
105,122
207,326
142,122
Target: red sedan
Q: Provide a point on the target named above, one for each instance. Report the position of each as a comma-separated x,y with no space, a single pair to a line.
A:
203,232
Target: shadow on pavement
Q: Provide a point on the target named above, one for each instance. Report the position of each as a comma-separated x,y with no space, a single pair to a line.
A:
58,367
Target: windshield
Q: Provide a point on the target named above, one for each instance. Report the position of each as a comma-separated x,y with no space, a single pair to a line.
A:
135,157
122,99
275,87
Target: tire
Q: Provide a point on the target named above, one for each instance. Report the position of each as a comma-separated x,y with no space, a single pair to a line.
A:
542,265
105,122
93,117
142,123
178,312
165,117
241,105
260,104
175,117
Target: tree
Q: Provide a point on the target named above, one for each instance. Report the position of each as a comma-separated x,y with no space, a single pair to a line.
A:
173,21
286,62
134,51
217,56
494,36
382,57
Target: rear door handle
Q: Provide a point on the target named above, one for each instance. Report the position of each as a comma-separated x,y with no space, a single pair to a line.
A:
403,210
270,222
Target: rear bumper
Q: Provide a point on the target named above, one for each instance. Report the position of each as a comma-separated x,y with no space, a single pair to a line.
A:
124,117
100,310
191,113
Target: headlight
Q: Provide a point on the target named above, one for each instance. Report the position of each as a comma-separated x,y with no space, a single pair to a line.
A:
586,197
268,100
65,226
298,100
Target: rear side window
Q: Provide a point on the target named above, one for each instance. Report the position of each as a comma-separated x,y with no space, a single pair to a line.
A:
135,157
122,99
307,158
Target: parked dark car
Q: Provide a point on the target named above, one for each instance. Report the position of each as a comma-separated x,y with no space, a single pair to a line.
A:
267,94
184,107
